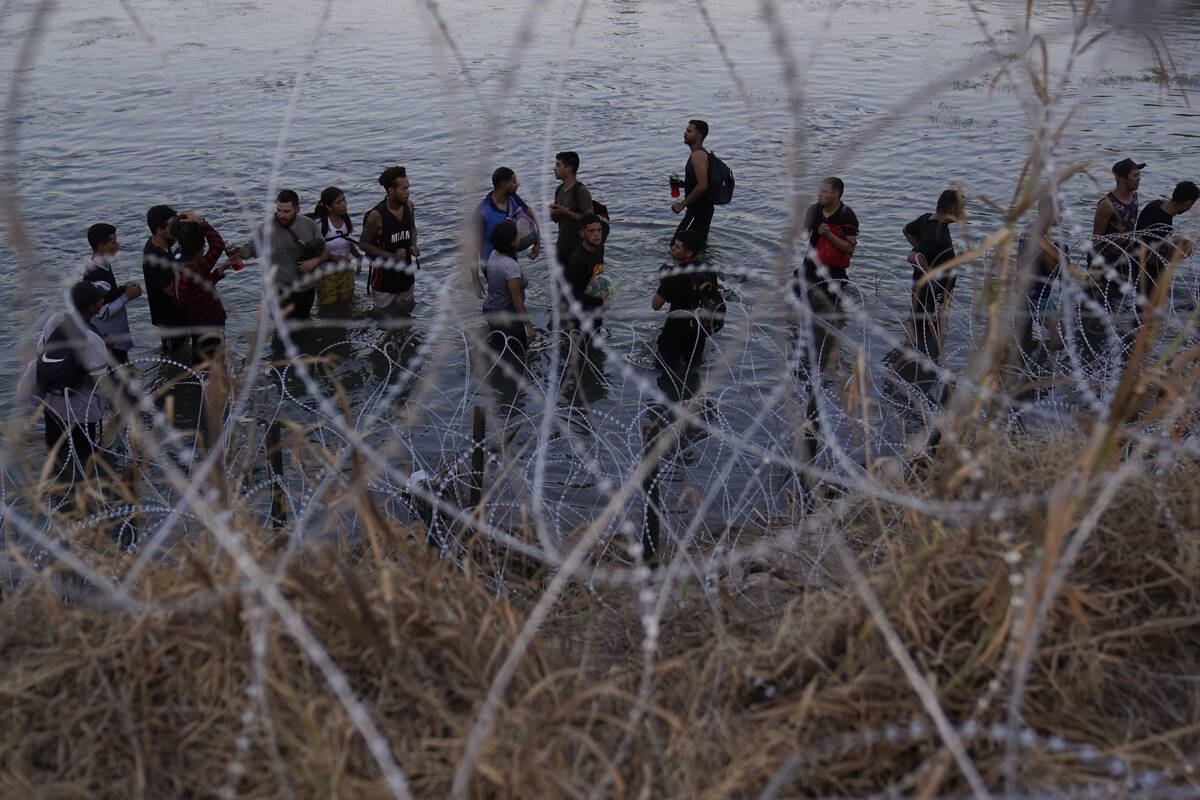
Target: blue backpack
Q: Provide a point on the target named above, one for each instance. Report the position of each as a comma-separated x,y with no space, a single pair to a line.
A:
720,180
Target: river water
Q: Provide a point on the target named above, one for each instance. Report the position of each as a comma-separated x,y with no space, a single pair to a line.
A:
123,106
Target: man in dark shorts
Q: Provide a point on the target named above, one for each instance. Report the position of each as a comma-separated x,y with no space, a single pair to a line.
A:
929,236
296,247
584,264
572,201
390,233
158,268
1113,233
699,208
832,237
1156,229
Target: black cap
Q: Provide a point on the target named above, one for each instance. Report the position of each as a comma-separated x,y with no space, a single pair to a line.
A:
1126,166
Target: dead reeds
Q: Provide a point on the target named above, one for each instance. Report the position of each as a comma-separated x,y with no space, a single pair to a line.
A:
794,687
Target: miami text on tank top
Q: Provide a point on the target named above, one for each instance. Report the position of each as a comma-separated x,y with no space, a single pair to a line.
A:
1128,212
394,233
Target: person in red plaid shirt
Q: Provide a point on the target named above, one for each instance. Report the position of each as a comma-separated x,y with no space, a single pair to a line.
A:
200,248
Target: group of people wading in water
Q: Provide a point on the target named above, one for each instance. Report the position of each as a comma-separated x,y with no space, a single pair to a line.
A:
315,258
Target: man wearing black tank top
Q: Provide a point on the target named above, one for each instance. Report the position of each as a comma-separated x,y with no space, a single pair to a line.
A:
699,208
389,233
1113,229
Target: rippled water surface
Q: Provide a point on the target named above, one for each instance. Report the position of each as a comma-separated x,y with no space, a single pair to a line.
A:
215,109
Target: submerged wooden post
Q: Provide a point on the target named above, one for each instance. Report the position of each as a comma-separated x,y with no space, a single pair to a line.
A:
478,433
275,459
650,489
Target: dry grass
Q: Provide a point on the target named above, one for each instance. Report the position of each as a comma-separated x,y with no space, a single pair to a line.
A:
99,703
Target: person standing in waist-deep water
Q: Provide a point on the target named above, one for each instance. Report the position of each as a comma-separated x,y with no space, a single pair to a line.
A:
509,325
681,341
1113,232
929,236
584,264
503,204
696,204
158,268
572,201
200,248
297,249
65,379
832,238
112,320
390,234
1156,229
335,290
1039,260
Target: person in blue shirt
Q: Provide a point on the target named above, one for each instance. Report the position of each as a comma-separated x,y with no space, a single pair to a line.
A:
501,204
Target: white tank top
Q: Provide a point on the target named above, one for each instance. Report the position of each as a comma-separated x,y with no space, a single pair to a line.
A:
336,241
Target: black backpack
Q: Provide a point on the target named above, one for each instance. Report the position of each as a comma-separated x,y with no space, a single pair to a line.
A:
720,180
710,310
58,367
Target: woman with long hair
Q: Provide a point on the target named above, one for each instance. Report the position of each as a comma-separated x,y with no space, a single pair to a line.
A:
504,304
335,290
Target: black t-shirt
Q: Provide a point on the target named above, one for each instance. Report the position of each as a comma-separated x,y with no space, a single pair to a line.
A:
844,218
580,269
1154,223
1155,227
159,277
933,242
681,334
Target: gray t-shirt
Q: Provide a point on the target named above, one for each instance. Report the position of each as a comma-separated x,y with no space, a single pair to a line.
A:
499,271
85,405
288,247
578,199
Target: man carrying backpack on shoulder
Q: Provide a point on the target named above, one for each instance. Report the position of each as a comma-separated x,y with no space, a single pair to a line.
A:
64,378
706,183
699,208
572,201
